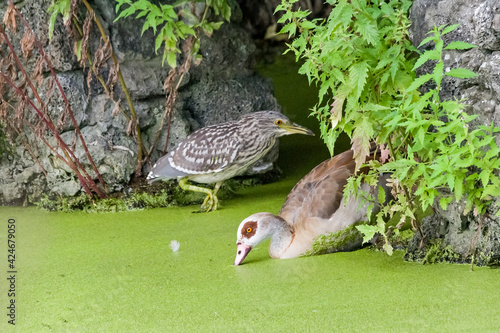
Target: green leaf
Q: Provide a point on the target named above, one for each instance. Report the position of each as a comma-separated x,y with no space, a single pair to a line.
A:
125,13
368,231
461,73
358,75
119,3
459,45
426,40
79,50
426,56
394,70
307,25
141,14
444,202
490,190
215,26
449,29
381,195
159,39
388,248
421,135
58,7
459,185
52,22
485,177
367,30
346,15
374,107
438,72
171,59
418,82
289,29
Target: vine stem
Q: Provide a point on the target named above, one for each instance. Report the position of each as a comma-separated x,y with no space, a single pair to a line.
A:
472,246
28,147
66,102
73,159
176,89
66,149
25,142
169,105
96,74
140,150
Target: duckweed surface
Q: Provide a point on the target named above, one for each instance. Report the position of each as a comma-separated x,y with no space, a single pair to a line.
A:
116,272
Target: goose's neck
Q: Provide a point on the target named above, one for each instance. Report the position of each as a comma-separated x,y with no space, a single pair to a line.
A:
281,237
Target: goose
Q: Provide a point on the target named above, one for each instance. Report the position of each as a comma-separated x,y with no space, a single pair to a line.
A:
314,207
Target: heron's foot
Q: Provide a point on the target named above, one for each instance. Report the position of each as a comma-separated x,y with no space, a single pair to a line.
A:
210,203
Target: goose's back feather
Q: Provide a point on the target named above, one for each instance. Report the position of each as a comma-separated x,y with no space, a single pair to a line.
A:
320,192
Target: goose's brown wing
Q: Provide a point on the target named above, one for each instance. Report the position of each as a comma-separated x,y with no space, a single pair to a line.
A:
320,192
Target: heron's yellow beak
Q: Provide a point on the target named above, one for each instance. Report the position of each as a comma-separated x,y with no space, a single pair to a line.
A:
297,129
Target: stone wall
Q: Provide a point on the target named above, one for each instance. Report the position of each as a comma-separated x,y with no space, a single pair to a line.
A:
223,87
455,234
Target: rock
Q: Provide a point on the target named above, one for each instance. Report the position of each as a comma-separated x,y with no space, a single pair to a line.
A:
68,188
452,236
11,192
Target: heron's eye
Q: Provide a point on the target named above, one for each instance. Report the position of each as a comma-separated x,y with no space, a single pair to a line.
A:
278,122
249,230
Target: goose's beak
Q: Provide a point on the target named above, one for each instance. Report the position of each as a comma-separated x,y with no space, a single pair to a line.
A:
297,129
241,253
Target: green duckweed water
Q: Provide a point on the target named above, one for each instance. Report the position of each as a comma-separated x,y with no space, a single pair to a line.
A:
115,272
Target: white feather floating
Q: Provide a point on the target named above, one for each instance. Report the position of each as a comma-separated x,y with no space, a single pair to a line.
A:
174,245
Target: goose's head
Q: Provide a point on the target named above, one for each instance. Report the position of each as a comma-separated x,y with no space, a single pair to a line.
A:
255,229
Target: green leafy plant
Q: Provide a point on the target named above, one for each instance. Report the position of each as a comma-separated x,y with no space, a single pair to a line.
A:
435,155
358,58
364,64
174,22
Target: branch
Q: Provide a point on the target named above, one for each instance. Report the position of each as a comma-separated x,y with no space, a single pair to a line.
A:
141,149
68,107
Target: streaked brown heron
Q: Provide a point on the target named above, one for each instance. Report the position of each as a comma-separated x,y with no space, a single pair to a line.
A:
218,152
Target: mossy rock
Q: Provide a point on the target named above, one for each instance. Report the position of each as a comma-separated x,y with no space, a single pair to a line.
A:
144,196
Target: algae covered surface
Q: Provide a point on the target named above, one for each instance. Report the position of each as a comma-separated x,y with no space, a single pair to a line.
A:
116,272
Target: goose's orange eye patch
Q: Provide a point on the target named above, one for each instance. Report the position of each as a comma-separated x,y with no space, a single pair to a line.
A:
249,229
278,122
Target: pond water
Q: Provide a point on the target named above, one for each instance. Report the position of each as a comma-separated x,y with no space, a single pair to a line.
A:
115,272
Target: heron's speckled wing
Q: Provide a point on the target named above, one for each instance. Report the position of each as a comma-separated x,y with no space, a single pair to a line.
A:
319,193
210,149
163,170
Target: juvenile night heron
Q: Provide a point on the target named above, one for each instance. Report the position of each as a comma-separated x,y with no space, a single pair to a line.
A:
215,153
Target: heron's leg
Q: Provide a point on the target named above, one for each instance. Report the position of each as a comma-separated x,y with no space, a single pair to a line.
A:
183,183
212,201
216,200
